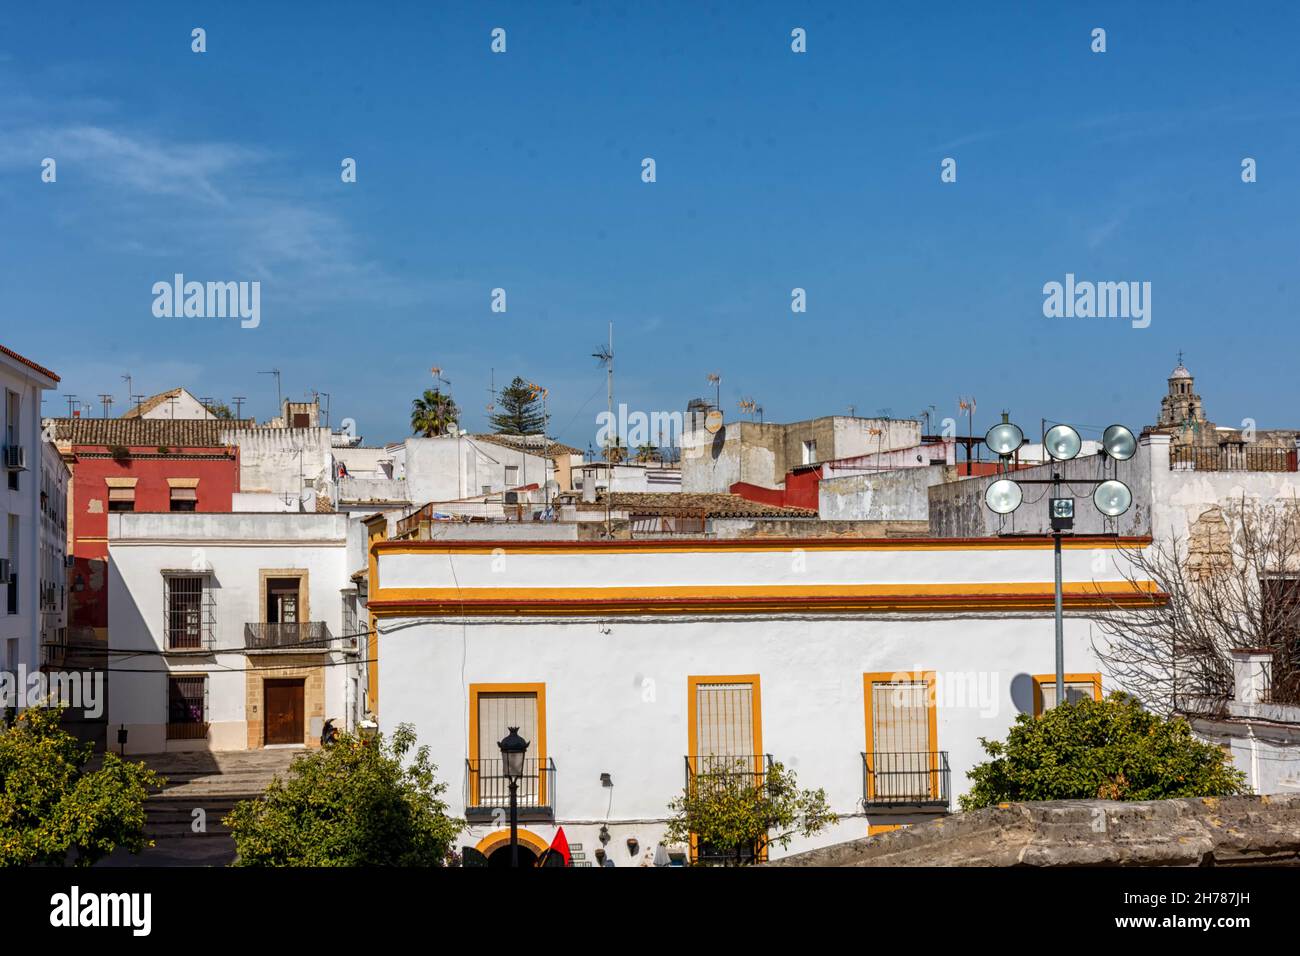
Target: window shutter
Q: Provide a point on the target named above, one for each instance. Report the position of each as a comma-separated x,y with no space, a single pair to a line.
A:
724,718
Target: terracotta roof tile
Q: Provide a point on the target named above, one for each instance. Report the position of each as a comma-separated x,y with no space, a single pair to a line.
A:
147,432
535,444
28,362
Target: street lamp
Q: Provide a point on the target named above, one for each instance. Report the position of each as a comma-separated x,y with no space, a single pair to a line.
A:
513,747
1111,496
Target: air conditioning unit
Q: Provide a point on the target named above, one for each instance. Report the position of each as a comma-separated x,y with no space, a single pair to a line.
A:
512,497
6,573
15,458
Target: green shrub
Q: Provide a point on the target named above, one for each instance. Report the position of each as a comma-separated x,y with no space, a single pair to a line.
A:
1108,749
53,810
352,804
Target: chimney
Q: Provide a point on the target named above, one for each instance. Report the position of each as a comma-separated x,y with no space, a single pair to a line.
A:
1251,675
588,484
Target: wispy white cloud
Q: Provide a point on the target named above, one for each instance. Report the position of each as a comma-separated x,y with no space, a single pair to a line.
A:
193,199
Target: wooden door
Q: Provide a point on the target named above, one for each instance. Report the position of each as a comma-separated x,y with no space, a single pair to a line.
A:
284,711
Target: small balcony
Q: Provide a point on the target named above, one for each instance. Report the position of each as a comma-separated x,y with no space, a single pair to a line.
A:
301,637
487,791
906,782
725,769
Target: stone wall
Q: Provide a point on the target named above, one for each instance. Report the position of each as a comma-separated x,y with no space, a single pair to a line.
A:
1207,831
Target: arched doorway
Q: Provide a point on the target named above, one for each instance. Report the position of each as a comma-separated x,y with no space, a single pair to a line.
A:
501,856
495,847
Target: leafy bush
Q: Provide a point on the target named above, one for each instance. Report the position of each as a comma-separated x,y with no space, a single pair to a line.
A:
53,810
732,813
351,804
1100,750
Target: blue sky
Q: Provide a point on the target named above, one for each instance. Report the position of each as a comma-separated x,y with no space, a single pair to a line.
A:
775,170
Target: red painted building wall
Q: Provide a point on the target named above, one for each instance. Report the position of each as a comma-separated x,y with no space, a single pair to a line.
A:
800,490
217,471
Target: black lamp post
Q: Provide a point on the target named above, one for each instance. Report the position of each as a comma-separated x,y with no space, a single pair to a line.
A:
513,747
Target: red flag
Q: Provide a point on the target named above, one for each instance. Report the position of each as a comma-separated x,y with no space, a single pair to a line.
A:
559,848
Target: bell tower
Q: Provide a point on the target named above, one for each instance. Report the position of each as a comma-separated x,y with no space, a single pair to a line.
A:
1181,411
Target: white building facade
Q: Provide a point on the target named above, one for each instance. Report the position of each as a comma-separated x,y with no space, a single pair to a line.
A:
23,526
231,631
869,667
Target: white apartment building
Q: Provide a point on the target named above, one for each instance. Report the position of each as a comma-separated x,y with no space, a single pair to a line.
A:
231,631
869,667
24,533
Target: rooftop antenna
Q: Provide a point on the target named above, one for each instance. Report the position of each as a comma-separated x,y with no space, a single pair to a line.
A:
604,355
107,401
327,408
279,402
72,404
171,406
715,379
436,372
239,405
138,399
127,378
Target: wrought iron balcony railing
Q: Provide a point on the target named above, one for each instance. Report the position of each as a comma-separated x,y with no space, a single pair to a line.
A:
303,635
723,767
906,780
487,789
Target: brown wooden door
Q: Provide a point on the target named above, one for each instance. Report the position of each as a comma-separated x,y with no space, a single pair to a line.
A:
284,711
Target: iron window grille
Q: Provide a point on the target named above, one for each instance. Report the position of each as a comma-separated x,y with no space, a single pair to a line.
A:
187,707
189,612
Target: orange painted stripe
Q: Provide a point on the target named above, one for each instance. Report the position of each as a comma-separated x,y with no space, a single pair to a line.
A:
451,607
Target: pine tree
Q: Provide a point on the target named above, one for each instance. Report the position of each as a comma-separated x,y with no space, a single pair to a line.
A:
520,410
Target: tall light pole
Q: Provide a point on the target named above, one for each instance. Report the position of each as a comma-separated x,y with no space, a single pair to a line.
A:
1110,496
513,747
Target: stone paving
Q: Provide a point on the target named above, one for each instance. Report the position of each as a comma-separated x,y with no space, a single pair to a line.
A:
211,782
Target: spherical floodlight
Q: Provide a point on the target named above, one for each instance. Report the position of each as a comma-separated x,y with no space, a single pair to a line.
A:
1004,438
1119,443
1062,442
1112,498
1003,496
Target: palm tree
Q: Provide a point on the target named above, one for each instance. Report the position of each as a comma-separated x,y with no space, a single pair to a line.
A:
433,413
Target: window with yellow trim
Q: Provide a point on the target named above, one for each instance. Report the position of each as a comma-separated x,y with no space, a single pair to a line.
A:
1077,687
725,738
494,709
902,761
